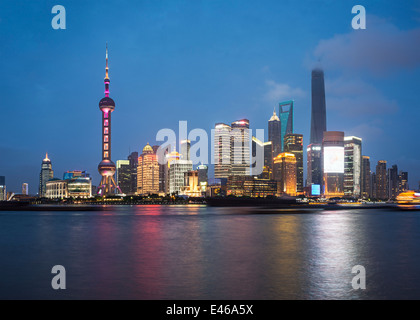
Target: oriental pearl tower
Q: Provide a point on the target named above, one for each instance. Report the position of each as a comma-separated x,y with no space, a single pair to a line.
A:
107,168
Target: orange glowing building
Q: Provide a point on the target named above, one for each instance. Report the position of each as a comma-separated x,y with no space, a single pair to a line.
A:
285,173
148,172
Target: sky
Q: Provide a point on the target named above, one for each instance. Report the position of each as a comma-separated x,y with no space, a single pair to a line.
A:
203,62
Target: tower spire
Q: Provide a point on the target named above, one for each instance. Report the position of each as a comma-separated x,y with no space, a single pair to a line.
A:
274,117
106,80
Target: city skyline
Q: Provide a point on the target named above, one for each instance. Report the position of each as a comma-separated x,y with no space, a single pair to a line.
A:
79,150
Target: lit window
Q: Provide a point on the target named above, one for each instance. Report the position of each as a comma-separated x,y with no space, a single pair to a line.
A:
106,115
106,130
106,154
106,146
106,122
105,138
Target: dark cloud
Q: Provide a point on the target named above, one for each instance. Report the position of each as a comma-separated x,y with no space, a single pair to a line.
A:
354,97
380,49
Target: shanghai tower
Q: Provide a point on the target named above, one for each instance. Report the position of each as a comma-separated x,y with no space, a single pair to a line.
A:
318,126
318,114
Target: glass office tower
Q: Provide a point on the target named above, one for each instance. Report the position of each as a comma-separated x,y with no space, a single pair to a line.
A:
318,112
366,178
352,166
286,119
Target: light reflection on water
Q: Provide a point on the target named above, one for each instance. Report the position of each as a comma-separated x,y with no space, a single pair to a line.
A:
197,252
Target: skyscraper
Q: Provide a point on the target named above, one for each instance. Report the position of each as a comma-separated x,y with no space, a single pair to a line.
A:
373,185
274,134
286,119
123,175
284,172
148,172
366,178
393,182
314,166
185,149
293,143
133,158
46,174
222,150
2,188
240,155
380,179
106,167
318,113
163,167
352,166
268,160
403,181
177,170
333,163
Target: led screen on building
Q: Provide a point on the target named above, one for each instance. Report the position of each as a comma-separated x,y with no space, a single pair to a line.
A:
333,160
316,190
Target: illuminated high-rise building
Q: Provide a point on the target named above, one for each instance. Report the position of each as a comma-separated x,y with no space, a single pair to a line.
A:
274,134
318,113
106,167
25,189
293,143
177,170
381,181
3,188
393,182
46,174
123,176
333,163
366,178
314,168
373,185
148,172
284,172
403,181
352,166
240,155
268,160
133,159
286,119
222,150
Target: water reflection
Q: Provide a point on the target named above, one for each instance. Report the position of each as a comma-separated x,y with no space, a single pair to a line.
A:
196,252
334,252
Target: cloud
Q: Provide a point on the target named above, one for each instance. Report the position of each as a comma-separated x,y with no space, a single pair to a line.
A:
369,131
281,91
356,98
381,48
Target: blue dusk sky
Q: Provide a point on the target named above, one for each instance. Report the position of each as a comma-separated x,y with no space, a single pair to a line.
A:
203,62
